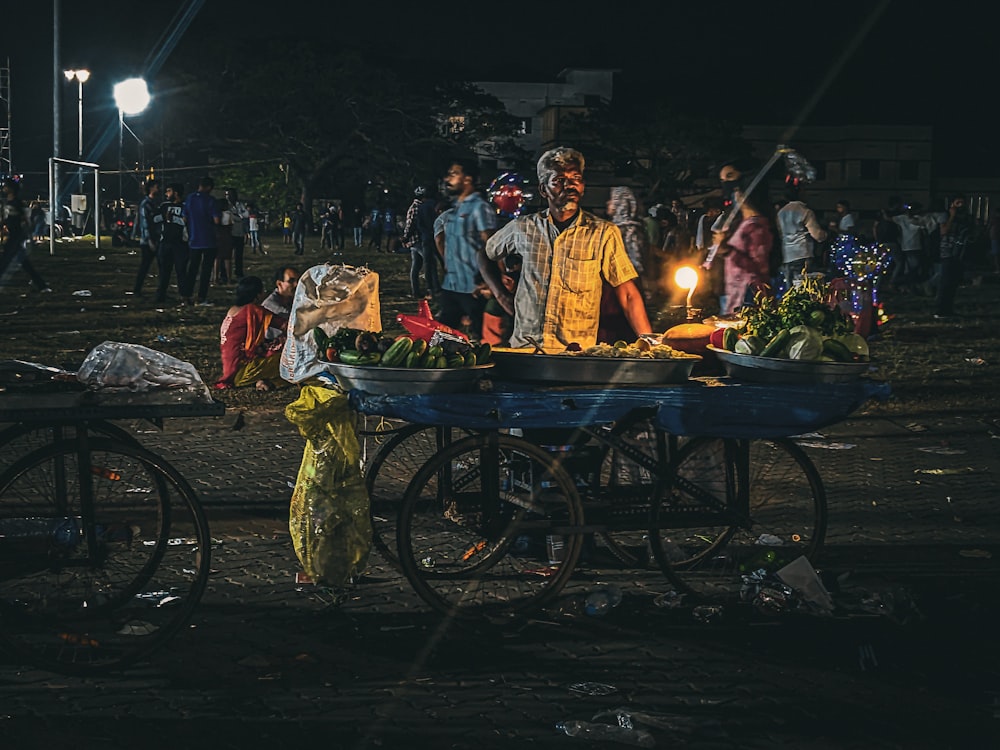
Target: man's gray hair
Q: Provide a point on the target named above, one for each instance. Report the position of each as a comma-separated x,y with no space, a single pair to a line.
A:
556,159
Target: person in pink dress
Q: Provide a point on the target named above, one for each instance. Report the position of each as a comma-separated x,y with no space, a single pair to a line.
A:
748,250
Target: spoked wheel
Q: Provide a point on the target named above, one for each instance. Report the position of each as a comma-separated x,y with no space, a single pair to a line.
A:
86,587
626,488
389,472
474,527
19,440
704,543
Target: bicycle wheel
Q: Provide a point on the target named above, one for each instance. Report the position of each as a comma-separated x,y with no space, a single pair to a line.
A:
18,440
94,586
475,526
787,515
626,488
389,472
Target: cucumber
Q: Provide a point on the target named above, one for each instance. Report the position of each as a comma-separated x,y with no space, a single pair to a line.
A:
372,358
395,355
435,351
350,356
729,337
483,353
456,360
777,344
440,363
837,350
470,359
412,359
420,346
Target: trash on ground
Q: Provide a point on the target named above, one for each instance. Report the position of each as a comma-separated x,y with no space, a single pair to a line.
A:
950,472
981,554
138,627
801,576
592,688
939,451
83,293
604,733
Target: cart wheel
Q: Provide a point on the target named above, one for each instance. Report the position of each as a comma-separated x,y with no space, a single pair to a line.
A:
389,472
626,489
89,587
475,523
787,515
19,439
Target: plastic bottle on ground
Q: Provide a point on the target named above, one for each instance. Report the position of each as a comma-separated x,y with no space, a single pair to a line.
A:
603,599
606,733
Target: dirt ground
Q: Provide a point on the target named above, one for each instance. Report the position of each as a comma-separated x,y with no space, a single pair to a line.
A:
932,365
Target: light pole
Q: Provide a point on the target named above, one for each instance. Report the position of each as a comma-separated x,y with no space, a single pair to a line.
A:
131,98
80,76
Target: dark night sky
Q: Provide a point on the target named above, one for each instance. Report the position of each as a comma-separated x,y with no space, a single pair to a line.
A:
758,63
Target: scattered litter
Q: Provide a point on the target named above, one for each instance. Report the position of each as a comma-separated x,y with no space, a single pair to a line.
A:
671,599
592,688
827,446
138,627
67,333
769,539
303,578
167,340
605,733
949,472
977,361
83,293
102,257
389,628
119,307
981,554
707,613
915,427
943,451
801,576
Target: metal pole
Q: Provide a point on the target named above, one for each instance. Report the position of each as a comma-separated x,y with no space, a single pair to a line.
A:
121,163
96,212
52,215
56,73
79,150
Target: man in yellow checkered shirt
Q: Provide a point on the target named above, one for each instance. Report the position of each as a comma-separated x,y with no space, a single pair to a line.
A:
566,254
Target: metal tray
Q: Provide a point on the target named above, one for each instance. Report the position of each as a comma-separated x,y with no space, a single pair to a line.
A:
773,370
405,380
523,366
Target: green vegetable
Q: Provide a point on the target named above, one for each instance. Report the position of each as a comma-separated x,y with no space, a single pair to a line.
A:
804,342
855,344
837,351
776,346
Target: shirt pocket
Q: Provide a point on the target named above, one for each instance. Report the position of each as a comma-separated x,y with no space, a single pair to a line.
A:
581,276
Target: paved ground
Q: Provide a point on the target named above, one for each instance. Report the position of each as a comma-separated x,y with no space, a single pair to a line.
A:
269,663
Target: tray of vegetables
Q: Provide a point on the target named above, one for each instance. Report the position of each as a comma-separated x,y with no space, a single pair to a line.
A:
801,338
373,362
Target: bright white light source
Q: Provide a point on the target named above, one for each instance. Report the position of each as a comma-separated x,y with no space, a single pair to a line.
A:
131,96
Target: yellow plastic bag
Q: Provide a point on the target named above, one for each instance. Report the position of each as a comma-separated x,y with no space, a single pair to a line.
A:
329,516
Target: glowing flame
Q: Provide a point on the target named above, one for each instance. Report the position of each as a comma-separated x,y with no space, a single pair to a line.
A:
686,278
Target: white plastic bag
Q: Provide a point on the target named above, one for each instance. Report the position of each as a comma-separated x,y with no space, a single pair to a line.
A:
330,297
130,367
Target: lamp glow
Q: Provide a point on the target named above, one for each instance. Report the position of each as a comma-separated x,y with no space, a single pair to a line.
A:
131,96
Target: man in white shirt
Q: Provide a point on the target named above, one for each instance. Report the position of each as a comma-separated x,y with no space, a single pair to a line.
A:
799,229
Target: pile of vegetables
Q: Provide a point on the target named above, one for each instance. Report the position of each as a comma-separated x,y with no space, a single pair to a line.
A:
352,347
802,325
639,349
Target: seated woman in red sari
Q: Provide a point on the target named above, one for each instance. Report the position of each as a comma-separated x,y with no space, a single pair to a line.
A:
248,357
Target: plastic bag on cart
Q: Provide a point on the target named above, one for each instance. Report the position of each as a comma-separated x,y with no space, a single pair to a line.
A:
117,367
329,517
329,297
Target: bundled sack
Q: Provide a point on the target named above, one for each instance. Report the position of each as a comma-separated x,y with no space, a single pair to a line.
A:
329,297
329,516
115,366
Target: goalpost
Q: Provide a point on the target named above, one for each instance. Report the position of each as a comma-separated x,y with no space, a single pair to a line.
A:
54,210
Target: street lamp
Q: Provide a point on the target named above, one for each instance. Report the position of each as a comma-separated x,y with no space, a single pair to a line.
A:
131,98
81,77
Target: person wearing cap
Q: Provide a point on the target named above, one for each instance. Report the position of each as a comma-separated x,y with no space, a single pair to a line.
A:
566,256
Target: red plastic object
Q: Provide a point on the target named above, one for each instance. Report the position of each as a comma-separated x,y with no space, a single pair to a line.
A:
422,325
